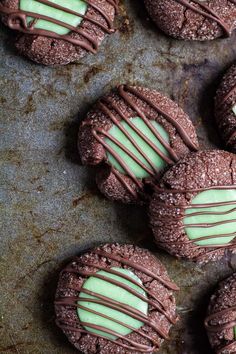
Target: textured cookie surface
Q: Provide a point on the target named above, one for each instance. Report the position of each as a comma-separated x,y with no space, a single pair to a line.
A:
115,299
221,320
134,134
57,32
193,209
225,108
193,19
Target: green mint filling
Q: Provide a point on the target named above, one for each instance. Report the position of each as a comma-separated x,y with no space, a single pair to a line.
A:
113,292
223,233
36,7
135,167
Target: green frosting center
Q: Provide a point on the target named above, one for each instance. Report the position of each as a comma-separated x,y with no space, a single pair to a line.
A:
222,232
234,109
148,151
36,7
116,293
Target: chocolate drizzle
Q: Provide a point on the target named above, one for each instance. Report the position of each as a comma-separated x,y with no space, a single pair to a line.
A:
107,107
221,327
223,107
151,299
208,13
181,216
17,20
228,95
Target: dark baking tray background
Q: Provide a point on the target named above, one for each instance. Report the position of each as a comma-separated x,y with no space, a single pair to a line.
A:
51,208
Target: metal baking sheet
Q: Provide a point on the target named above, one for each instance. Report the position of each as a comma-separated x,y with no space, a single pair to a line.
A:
50,206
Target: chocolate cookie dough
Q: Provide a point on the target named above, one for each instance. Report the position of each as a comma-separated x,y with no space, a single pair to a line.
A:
225,109
195,19
134,134
115,299
193,209
221,320
53,32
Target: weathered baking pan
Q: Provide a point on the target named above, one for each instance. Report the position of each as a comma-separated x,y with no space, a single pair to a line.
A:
51,208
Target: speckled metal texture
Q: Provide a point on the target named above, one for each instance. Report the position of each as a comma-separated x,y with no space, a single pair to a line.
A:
50,206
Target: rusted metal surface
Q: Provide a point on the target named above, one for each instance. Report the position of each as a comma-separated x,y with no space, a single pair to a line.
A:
51,208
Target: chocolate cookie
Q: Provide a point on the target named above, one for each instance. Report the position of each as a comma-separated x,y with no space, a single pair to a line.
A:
115,299
193,209
194,19
225,109
57,31
134,134
221,320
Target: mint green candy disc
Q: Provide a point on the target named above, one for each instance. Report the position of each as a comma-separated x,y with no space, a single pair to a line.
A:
113,292
223,233
156,160
36,7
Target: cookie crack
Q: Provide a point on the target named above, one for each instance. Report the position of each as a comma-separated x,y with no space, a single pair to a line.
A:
185,20
231,171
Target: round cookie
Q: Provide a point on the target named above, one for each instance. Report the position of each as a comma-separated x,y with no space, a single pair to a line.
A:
194,19
53,32
134,134
115,299
193,210
225,108
221,320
